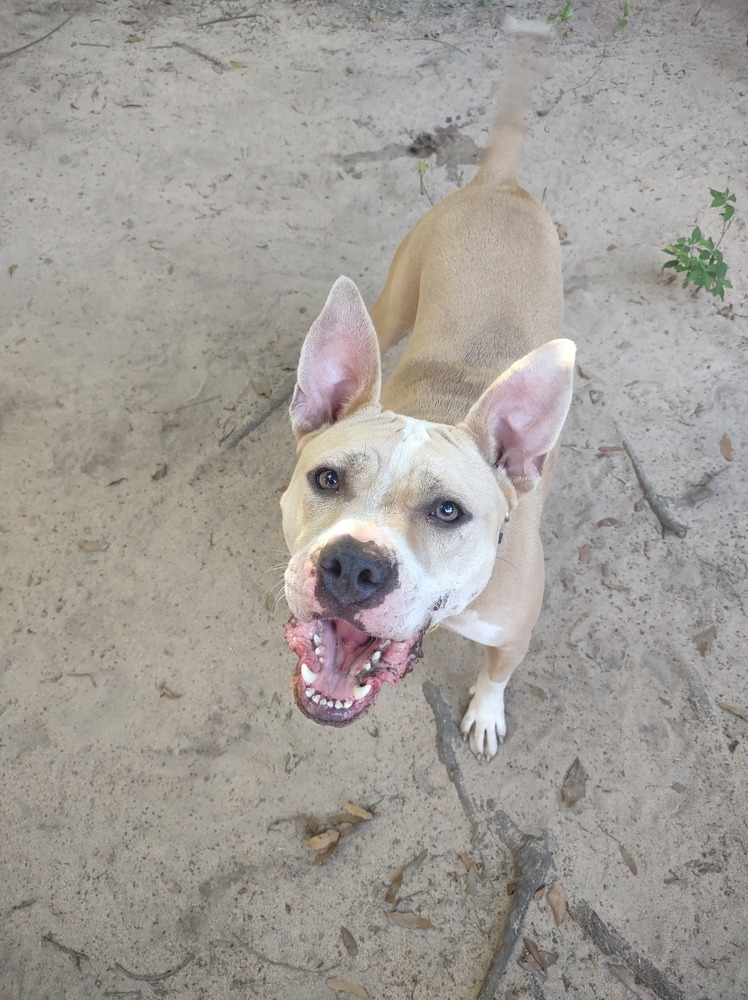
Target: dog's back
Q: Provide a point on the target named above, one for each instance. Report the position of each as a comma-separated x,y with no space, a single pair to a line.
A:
462,278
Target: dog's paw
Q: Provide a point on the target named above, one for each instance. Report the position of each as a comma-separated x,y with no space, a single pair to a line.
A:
483,726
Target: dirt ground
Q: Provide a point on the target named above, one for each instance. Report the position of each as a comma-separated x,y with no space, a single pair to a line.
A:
181,184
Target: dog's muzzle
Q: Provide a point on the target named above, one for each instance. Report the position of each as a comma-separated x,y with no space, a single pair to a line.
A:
354,575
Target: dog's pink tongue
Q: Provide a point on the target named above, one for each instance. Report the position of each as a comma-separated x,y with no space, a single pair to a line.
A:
349,636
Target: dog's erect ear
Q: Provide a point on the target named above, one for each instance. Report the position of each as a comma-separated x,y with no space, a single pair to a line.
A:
339,368
518,419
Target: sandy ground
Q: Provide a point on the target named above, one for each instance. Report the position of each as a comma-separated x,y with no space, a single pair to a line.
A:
181,183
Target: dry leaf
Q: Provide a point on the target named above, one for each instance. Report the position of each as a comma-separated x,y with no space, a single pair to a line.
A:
582,373
359,811
349,941
404,918
637,988
705,639
562,231
88,545
585,554
133,39
574,784
608,449
260,388
557,901
343,986
167,692
161,469
319,859
742,713
606,522
536,953
12,270
725,448
630,863
322,840
237,64
397,881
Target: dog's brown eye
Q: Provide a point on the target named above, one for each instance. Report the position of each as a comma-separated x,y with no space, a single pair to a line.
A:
327,479
448,511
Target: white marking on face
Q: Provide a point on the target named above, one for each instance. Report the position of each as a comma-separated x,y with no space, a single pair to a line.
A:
415,434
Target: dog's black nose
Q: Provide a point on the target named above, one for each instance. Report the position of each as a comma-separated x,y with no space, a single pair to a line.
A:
355,574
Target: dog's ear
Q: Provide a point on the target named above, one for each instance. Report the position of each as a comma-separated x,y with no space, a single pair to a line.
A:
339,368
518,419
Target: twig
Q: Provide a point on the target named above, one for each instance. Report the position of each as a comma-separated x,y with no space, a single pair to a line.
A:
611,944
282,396
196,52
157,976
123,993
76,956
742,713
222,20
532,859
22,48
657,503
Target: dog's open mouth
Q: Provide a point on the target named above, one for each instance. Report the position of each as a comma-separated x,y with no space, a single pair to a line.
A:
341,669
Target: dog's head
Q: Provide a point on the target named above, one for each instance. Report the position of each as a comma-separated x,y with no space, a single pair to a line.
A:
392,522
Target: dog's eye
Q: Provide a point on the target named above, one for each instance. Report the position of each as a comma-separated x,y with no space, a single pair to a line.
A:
448,511
327,479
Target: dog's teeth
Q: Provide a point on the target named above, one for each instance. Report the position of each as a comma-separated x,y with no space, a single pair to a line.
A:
347,704
338,704
317,639
309,692
385,643
376,657
365,667
360,692
317,698
319,649
307,675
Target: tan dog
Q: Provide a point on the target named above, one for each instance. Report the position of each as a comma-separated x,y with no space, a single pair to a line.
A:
421,505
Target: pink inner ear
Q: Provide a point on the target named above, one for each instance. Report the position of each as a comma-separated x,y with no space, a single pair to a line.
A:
339,364
518,419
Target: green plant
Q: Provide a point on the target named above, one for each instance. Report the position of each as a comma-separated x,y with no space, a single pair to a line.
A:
623,20
562,16
699,257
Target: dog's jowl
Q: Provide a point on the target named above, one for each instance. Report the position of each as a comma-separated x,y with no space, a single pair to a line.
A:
418,503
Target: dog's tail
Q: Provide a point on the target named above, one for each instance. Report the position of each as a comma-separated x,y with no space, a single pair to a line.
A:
524,68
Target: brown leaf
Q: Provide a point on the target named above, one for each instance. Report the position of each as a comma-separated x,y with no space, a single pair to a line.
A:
359,811
167,692
89,545
322,840
397,881
349,941
344,986
606,522
562,231
574,784
261,388
536,953
468,862
742,713
404,918
237,64
161,469
12,270
630,863
704,640
557,901
582,373
608,449
725,448
319,859
133,39
585,554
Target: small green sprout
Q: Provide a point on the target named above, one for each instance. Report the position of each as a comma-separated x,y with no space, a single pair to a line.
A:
699,257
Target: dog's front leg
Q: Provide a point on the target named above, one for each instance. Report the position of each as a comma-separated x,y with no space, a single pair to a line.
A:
483,725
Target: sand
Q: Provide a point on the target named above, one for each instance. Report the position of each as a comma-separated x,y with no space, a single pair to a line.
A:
181,184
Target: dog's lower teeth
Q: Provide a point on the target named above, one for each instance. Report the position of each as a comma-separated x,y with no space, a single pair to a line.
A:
309,692
338,704
317,698
360,691
376,657
347,704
